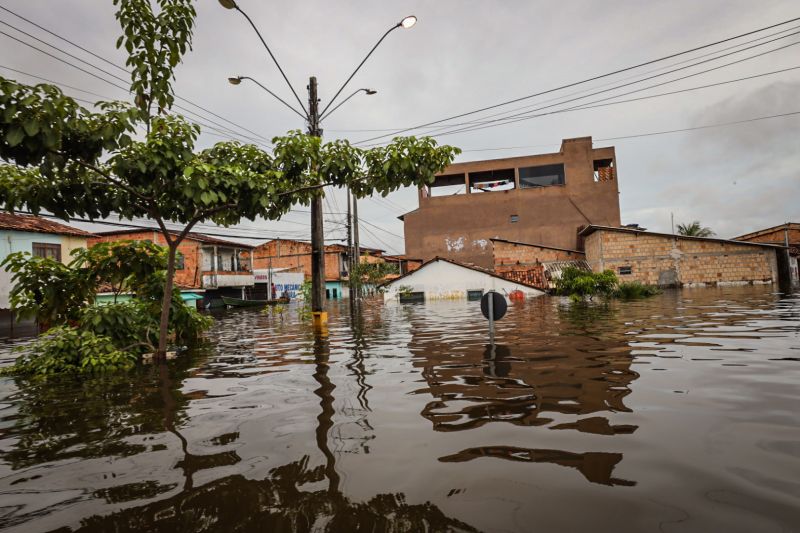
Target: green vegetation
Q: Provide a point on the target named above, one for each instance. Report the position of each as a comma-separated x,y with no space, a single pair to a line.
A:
86,337
695,229
365,273
633,290
581,285
139,160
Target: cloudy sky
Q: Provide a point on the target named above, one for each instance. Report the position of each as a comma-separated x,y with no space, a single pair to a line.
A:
464,55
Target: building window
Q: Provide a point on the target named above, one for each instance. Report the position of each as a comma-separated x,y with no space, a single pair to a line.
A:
604,170
50,251
625,270
514,218
543,176
474,295
180,261
492,180
447,185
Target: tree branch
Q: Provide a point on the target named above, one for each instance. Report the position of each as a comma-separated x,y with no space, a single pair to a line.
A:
107,176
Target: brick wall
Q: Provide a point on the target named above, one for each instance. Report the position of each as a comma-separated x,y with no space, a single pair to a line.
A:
665,259
188,277
510,256
296,254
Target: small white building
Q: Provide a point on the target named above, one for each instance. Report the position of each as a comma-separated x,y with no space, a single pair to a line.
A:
445,279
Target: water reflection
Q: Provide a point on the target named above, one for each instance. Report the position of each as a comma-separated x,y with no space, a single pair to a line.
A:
402,418
281,502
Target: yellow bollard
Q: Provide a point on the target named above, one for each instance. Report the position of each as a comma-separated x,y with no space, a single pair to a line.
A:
319,319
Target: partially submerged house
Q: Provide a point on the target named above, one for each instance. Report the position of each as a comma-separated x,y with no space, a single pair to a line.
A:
788,235
39,237
446,279
536,264
679,261
206,266
546,199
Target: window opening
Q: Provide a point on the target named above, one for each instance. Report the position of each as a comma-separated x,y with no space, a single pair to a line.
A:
514,218
543,176
625,270
492,180
447,185
474,295
180,261
47,250
604,170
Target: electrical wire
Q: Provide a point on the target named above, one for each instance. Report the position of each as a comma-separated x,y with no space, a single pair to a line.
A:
124,69
580,82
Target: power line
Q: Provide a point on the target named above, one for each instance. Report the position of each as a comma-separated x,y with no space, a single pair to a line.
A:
126,71
581,82
528,114
650,134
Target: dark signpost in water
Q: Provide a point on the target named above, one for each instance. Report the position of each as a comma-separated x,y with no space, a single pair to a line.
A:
493,307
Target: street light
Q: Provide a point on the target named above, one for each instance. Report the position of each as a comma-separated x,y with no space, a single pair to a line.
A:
313,116
238,80
406,22
368,92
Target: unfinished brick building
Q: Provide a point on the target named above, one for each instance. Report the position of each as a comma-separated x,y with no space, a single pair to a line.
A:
544,199
679,261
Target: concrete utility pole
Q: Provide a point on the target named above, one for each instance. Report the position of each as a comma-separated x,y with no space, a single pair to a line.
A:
317,234
356,247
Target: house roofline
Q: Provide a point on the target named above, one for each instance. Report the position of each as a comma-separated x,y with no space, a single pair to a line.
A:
464,265
591,229
539,246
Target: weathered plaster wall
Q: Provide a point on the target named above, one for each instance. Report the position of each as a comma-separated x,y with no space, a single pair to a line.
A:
662,260
444,280
22,241
459,226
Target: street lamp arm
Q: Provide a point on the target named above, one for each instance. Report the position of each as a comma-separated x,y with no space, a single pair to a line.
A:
326,115
281,100
274,61
390,30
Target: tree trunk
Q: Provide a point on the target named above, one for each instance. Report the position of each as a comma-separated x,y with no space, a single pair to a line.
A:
166,303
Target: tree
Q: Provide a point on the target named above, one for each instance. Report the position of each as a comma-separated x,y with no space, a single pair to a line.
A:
140,161
694,229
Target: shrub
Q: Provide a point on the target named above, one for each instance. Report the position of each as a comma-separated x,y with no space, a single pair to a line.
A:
67,350
579,284
634,290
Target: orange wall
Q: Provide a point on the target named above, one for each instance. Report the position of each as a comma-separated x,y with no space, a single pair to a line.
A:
294,254
189,277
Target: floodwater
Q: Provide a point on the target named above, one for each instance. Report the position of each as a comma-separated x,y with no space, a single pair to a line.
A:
676,413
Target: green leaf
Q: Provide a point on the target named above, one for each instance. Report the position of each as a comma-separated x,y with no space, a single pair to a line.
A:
14,136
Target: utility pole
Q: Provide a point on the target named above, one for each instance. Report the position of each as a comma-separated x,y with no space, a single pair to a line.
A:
356,247
320,317
350,263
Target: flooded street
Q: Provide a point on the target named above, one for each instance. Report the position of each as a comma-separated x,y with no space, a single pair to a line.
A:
676,413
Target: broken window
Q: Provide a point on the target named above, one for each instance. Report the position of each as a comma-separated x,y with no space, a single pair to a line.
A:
604,170
448,185
543,176
625,270
491,180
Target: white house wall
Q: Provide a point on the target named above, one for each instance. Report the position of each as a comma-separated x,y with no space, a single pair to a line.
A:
441,280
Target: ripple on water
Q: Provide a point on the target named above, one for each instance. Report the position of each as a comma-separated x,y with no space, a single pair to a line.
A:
673,412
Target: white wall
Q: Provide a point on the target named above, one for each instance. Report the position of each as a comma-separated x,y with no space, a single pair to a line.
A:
444,280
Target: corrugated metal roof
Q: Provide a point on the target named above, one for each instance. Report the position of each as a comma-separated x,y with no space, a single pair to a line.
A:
17,222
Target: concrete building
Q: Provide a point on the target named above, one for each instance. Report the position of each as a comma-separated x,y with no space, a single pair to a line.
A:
546,199
678,261
39,237
207,265
445,279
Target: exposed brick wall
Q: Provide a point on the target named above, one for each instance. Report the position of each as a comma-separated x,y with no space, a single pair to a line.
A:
654,259
517,256
296,254
188,277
